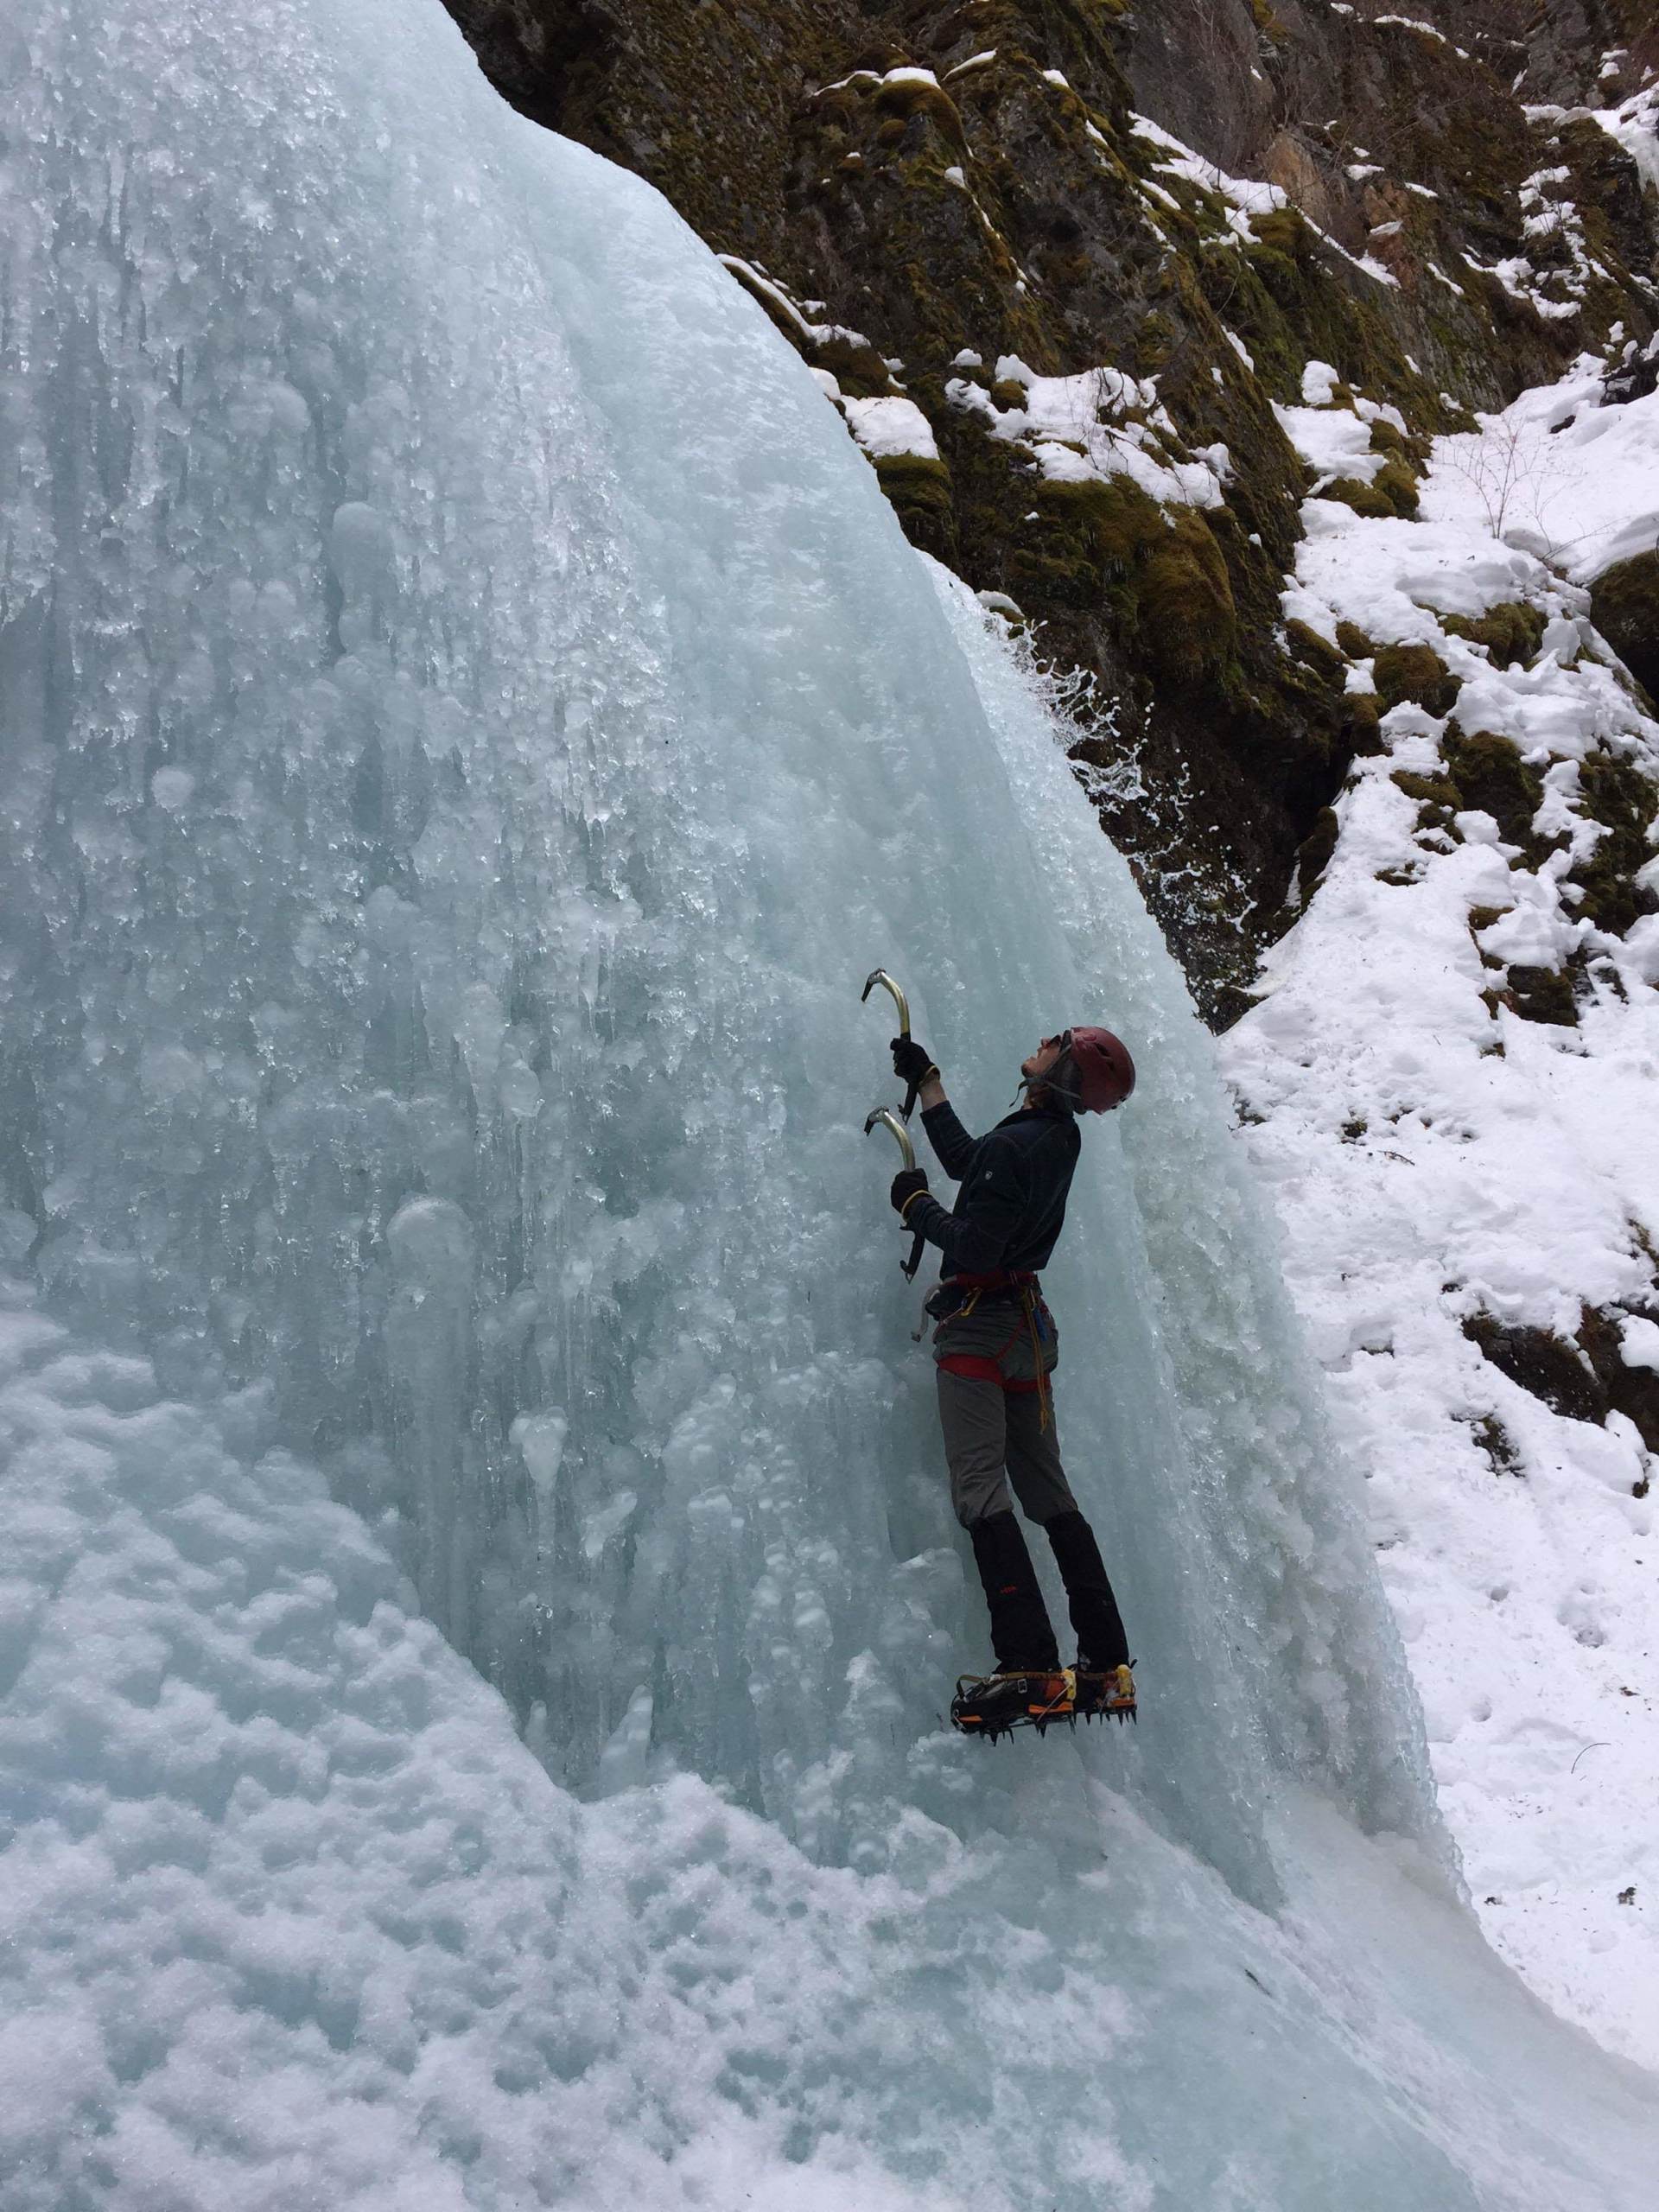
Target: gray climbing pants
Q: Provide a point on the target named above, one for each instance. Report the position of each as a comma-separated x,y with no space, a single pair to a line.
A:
993,1436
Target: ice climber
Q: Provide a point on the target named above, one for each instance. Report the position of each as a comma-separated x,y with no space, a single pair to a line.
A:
995,1346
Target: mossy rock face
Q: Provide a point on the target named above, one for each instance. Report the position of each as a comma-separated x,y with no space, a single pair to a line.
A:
1616,794
1307,646
1313,853
1160,569
1416,673
1542,994
1354,641
1364,499
1361,718
1624,607
1512,631
1583,1376
1084,540
1550,1367
911,98
1428,790
919,488
1396,482
1489,772
1188,620
778,134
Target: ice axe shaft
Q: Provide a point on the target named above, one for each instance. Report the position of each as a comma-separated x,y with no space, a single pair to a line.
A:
886,1118
890,1121
880,976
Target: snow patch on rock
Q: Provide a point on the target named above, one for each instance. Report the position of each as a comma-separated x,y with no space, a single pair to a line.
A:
1448,1171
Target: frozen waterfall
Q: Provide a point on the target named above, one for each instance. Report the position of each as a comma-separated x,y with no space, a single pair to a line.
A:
471,721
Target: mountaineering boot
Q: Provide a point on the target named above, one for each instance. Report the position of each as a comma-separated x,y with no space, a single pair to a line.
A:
1102,1644
1020,1634
990,1705
1102,1691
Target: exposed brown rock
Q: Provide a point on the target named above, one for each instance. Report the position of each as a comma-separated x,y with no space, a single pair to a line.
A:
1000,210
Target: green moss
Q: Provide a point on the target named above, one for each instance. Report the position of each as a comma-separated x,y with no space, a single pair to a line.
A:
1397,481
1391,493
1625,605
1502,1453
1307,646
903,102
1188,618
1615,793
1086,538
1363,721
1512,631
1416,673
1154,345
1313,853
919,488
1405,444
1491,776
1364,499
925,472
1542,994
1291,304
1354,641
1160,569
1006,392
1428,790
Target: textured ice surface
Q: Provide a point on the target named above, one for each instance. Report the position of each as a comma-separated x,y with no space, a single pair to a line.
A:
471,723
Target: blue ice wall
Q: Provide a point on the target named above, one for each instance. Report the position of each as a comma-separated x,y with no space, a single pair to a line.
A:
471,723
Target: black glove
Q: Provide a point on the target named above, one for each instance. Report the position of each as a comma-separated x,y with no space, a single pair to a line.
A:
905,1184
911,1063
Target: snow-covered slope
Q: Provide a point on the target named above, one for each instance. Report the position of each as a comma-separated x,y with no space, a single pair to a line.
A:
462,765
1458,1179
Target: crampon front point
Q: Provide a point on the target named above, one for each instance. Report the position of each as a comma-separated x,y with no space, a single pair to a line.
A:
993,1705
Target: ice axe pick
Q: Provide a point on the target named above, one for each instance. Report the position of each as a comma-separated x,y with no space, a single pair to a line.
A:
890,1121
880,976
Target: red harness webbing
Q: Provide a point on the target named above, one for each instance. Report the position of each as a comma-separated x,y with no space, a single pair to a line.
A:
986,1367
978,1366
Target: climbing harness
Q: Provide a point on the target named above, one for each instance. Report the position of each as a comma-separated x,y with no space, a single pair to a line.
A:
959,1295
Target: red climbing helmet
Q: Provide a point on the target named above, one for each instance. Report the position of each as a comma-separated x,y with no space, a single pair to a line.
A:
1103,1072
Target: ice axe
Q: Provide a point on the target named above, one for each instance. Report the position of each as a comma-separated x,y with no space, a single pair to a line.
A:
880,976
890,1121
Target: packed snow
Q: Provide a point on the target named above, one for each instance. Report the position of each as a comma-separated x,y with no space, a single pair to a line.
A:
1435,1157
1240,198
1574,481
480,1589
889,426
1100,423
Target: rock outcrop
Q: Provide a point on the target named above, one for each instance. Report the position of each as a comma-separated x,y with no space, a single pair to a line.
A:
1060,262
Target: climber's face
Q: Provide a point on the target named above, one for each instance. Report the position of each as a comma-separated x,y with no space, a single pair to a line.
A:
1039,1063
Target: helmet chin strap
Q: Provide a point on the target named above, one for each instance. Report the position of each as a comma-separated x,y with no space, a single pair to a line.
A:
1033,1085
